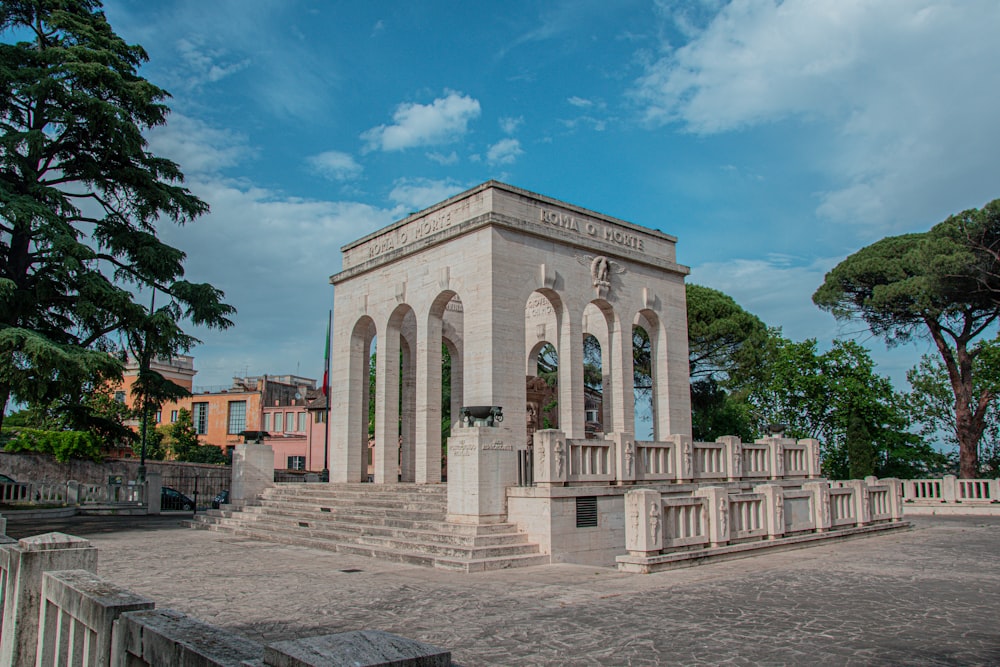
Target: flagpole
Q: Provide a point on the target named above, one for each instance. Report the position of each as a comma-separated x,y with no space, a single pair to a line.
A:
326,393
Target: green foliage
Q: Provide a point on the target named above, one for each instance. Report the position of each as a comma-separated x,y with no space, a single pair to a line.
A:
181,439
63,445
715,413
80,201
859,447
816,395
155,435
942,284
724,341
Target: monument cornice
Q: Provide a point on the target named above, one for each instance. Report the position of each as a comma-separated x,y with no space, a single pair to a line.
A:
544,217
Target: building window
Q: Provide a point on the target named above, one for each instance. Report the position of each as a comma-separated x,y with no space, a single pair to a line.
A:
277,422
173,416
302,422
289,422
267,421
237,417
319,416
296,463
158,416
592,415
120,396
199,416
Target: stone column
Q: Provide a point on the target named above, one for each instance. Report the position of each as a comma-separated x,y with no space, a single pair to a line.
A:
154,485
862,502
734,456
774,516
820,504
718,513
683,452
24,563
625,456
551,457
482,463
408,414
812,457
253,470
571,403
622,379
643,522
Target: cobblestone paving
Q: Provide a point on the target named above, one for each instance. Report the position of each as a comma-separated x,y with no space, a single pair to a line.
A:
930,596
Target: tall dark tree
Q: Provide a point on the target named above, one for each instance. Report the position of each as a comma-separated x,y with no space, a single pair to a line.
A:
80,201
943,285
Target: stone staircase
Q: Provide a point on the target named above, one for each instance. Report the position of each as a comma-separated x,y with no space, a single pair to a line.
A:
398,522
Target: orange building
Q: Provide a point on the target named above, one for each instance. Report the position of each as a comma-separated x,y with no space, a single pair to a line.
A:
278,405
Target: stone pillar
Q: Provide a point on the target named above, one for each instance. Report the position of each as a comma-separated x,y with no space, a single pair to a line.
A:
949,489
622,379
774,516
625,456
776,452
482,463
643,522
895,497
571,404
408,415
734,456
387,406
812,457
718,513
683,453
862,503
551,457
24,563
253,470
154,486
820,504
428,389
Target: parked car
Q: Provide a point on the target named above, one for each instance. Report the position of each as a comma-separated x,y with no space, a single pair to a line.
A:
172,499
221,499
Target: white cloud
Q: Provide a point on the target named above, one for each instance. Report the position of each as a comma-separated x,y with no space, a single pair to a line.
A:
204,64
415,194
444,120
510,125
580,102
895,92
505,151
197,147
441,158
335,165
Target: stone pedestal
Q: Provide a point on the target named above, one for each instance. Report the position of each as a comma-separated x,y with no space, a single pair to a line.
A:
774,517
821,504
482,463
24,564
644,522
551,454
862,503
895,497
625,452
718,513
812,457
154,487
253,470
734,456
683,457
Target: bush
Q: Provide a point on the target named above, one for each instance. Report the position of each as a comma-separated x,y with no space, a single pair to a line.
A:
63,445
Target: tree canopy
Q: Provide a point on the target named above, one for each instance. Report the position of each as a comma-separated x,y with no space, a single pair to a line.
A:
80,201
941,284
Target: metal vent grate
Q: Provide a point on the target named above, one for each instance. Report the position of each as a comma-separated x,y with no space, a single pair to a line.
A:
586,512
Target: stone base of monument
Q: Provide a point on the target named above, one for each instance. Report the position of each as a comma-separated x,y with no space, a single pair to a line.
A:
482,463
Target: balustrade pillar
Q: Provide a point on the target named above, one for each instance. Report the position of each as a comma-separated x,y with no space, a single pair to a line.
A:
718,513
774,517
551,457
625,456
734,456
683,451
644,522
820,505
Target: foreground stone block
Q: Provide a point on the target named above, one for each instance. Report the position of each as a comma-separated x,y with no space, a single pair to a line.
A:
253,470
165,637
366,648
24,564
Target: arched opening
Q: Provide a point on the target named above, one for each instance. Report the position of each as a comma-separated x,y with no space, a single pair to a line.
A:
646,357
361,409
442,358
542,319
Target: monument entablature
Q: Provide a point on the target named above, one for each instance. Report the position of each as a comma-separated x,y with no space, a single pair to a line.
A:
503,206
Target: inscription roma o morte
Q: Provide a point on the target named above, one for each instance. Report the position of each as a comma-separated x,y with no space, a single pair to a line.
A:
590,228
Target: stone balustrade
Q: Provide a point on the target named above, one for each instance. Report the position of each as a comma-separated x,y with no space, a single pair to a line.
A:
951,495
620,459
714,516
57,611
72,492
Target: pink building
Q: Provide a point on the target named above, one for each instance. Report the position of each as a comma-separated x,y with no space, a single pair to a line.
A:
295,423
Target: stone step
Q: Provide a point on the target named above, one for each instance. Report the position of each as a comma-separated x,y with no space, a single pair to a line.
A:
479,564
363,514
362,490
317,504
343,530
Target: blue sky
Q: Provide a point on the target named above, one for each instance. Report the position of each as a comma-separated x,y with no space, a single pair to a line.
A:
773,139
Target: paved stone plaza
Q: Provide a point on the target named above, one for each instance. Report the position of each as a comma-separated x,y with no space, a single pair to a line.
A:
930,596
